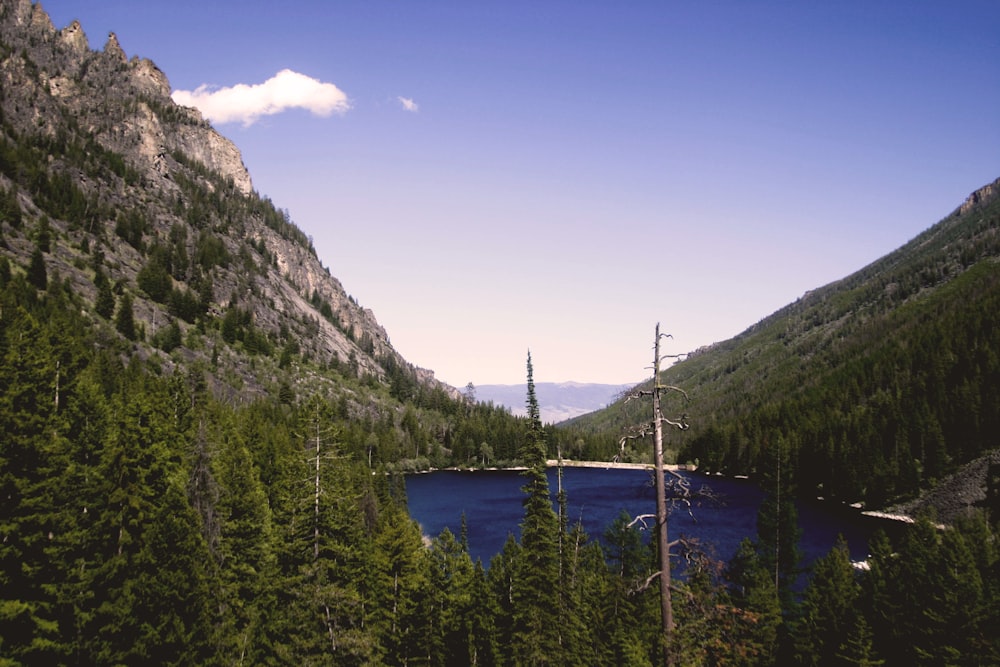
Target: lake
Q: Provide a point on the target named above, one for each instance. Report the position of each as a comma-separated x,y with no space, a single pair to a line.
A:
491,501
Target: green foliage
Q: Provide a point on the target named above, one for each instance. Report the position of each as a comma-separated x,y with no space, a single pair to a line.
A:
752,589
237,325
104,305
168,338
125,319
930,597
10,209
146,519
130,226
37,274
185,305
210,251
830,616
778,529
879,384
154,277
536,570
43,235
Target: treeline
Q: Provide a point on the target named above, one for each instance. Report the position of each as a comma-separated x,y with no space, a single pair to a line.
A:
900,402
144,521
879,385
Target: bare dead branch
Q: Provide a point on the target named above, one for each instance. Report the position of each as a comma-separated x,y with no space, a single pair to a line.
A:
641,519
670,387
637,394
681,424
646,584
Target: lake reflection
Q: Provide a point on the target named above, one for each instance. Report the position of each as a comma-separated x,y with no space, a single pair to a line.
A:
492,502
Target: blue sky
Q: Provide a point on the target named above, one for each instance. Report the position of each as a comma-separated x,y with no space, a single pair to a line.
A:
492,177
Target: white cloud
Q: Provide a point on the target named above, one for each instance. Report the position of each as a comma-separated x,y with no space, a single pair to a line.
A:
247,103
409,104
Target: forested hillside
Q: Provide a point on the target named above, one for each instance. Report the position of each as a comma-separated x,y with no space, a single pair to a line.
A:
145,219
202,435
871,388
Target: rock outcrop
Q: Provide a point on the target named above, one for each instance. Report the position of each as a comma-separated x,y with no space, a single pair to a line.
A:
141,175
985,194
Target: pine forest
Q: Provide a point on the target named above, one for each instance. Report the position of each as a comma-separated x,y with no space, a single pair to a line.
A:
205,441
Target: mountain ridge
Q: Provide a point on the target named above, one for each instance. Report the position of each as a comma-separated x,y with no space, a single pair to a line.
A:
872,387
137,177
557,401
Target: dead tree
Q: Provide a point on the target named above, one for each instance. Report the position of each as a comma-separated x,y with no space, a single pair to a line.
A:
679,483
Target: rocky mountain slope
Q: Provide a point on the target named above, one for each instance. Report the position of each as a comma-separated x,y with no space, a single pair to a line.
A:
114,182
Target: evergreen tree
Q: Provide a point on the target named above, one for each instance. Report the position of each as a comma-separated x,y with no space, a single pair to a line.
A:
778,529
536,635
31,441
149,577
43,235
752,589
245,553
105,302
409,624
451,585
154,277
325,548
125,320
37,275
711,631
829,613
926,597
632,609
584,589
502,581
10,209
482,624
624,550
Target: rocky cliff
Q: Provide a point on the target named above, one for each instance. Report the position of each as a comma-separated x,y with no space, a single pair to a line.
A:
131,187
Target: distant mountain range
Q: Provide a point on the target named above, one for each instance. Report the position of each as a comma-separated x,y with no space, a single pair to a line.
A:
557,401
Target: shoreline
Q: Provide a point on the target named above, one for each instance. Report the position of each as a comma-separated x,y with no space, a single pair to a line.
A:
566,463
569,463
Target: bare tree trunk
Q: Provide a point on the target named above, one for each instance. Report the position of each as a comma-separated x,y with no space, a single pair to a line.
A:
316,507
662,532
666,605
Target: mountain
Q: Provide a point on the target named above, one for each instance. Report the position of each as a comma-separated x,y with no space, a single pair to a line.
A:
557,401
122,182
869,389
131,223
201,429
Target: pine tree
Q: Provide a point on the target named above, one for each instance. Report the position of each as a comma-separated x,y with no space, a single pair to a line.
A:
105,302
482,622
501,579
777,524
125,320
829,614
536,637
404,611
37,274
752,589
245,553
451,581
30,445
149,579
325,550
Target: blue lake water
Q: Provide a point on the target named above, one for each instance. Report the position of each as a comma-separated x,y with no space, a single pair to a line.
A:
492,503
